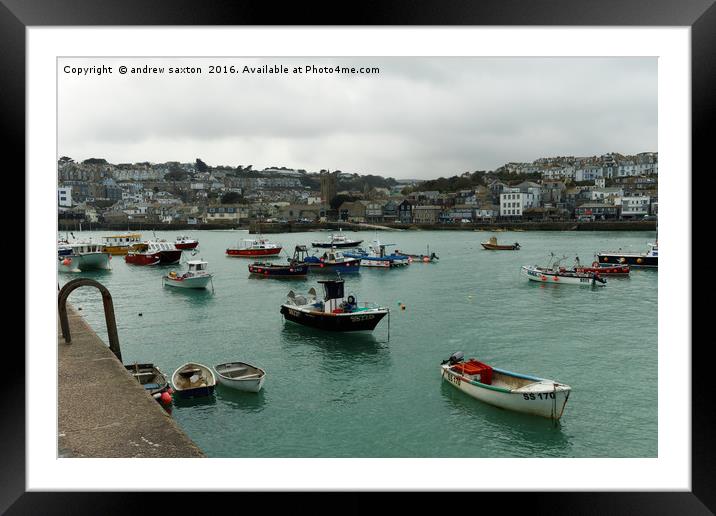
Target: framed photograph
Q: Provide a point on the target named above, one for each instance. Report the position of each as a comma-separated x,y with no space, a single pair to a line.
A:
414,253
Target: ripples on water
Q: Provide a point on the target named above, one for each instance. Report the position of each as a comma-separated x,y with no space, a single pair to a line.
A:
360,395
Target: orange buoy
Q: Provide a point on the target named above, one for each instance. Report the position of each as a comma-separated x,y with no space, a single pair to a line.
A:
543,278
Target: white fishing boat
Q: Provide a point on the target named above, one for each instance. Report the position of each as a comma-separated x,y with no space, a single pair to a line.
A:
82,256
240,376
193,379
195,277
555,273
505,389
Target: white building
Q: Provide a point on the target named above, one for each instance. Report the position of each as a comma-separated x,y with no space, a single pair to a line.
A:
605,194
64,196
512,203
635,207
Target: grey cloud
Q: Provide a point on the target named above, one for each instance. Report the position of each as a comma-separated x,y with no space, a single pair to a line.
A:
421,117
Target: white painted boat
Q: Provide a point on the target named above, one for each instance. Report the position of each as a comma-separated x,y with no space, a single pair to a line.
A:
562,276
82,256
240,376
505,389
195,277
193,379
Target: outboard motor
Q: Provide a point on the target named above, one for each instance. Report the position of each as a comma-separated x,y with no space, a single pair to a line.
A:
455,358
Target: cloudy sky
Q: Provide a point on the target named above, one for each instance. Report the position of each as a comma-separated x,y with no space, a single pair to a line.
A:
417,118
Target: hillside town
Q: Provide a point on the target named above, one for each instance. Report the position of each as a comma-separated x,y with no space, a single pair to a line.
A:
611,187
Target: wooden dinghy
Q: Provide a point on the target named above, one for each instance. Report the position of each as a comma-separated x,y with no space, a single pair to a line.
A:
240,376
193,379
505,389
153,380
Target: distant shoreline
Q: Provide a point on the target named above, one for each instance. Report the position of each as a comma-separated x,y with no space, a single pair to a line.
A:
264,227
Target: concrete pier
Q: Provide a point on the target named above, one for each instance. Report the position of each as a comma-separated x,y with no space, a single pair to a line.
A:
102,409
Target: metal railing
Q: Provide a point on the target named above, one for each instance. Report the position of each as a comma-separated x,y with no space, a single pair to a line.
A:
108,312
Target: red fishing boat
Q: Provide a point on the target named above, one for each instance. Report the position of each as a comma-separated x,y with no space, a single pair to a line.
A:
250,247
157,253
184,242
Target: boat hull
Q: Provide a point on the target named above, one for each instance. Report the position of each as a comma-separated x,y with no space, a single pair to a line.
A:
548,403
123,250
186,245
278,271
251,253
494,247
356,321
83,262
613,270
340,245
348,266
629,259
143,259
194,282
546,277
251,385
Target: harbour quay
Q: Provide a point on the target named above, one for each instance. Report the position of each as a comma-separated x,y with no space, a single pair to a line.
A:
103,411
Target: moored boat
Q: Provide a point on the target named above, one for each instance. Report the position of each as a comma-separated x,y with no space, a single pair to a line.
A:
337,241
603,269
332,261
156,253
292,269
648,259
193,379
562,276
333,312
251,247
82,256
195,277
153,381
506,389
377,256
492,245
120,245
240,376
184,242
424,258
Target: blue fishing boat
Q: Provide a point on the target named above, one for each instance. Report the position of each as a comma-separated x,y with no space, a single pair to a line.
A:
330,261
376,256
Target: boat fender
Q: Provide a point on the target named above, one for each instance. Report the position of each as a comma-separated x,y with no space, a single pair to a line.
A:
165,398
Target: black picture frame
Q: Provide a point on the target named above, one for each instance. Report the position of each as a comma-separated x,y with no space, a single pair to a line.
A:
700,15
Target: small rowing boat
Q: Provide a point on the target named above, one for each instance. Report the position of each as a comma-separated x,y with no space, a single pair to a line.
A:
240,376
505,389
193,379
153,380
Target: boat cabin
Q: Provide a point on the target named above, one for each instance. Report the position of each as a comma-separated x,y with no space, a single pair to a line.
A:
258,243
155,247
334,301
85,248
300,253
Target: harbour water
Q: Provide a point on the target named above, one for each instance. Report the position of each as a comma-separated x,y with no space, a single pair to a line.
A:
367,395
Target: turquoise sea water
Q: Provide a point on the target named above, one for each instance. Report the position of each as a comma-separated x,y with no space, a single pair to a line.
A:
362,395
